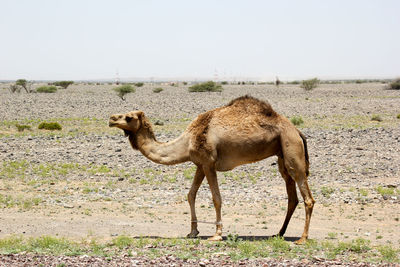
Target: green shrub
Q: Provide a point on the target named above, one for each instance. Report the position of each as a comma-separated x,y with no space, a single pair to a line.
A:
309,84
376,118
157,90
63,84
46,89
21,128
398,116
138,84
123,90
209,86
50,126
224,82
297,120
395,84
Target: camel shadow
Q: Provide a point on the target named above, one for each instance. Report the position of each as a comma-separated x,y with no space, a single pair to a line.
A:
243,237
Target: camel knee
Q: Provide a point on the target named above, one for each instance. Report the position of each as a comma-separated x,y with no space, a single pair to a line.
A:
309,203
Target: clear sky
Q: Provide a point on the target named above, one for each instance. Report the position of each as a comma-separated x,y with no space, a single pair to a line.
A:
92,39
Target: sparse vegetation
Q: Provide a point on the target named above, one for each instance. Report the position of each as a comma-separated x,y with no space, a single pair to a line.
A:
209,86
310,84
385,191
237,249
50,126
123,90
63,84
46,89
157,90
297,120
327,191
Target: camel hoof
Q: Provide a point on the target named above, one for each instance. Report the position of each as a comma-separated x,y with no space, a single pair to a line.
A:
277,235
301,241
193,234
215,238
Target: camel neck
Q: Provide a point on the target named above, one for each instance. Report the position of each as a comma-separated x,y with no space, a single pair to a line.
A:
168,153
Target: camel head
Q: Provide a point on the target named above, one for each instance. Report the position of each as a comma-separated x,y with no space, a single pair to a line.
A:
130,122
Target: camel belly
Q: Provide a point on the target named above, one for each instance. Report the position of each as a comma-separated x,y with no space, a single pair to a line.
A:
235,155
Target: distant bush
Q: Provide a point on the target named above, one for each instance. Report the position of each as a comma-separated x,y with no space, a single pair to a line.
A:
138,84
309,84
14,88
157,90
395,84
63,84
21,128
50,126
209,86
297,120
184,83
24,84
123,90
46,89
294,82
224,82
398,116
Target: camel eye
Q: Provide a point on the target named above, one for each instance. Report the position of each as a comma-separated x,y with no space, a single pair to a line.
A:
128,119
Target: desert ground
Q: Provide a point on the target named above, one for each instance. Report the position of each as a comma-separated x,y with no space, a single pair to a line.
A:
86,181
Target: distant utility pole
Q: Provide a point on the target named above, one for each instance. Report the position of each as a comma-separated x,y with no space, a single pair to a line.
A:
117,78
216,76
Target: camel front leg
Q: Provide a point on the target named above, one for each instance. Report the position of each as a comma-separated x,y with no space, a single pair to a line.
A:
197,180
216,195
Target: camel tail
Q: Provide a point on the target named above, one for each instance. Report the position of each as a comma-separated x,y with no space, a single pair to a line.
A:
305,152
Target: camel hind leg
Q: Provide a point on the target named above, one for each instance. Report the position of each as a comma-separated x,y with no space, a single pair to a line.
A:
295,163
292,195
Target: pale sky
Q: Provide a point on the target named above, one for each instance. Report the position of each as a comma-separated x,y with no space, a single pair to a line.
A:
85,39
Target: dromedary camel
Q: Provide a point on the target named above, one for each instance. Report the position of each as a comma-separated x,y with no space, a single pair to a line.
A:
244,131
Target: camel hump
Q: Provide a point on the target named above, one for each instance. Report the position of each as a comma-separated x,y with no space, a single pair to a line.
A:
252,104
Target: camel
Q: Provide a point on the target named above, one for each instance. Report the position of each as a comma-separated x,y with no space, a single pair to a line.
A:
244,131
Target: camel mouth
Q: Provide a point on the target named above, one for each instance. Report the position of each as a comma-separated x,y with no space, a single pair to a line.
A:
112,124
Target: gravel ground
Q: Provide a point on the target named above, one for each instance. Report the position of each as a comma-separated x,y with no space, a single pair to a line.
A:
35,260
348,152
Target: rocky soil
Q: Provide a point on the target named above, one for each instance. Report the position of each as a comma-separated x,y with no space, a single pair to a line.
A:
355,165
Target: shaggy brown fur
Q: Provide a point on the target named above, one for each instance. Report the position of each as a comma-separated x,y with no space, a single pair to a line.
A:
244,131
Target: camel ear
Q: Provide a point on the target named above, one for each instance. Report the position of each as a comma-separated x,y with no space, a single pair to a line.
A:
138,115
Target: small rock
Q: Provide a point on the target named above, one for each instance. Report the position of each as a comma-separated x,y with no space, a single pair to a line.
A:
160,123
68,206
